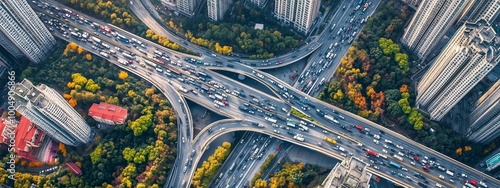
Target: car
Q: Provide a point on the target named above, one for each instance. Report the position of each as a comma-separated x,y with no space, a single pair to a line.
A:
399,146
441,177
376,167
375,141
275,125
385,146
387,141
383,150
341,117
343,154
404,169
412,163
325,131
452,181
183,140
276,131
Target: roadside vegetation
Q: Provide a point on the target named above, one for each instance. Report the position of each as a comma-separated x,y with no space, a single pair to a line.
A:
263,168
299,114
117,13
294,175
236,33
208,170
136,154
373,81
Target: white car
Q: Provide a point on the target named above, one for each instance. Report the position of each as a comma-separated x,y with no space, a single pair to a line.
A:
341,117
388,141
376,167
383,150
404,169
375,141
412,163
399,146
441,177
276,131
376,136
343,154
275,125
325,131
183,140
385,146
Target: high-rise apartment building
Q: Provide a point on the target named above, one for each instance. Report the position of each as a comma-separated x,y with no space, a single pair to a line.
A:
300,13
217,9
482,9
430,23
485,118
51,113
187,7
259,3
469,56
22,33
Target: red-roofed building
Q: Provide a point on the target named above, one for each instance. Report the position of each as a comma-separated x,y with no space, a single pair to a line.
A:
74,168
108,114
30,142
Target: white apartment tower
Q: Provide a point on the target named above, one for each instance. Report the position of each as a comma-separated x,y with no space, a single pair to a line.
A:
485,118
187,7
469,56
217,9
414,3
482,9
22,34
51,113
259,3
430,22
300,13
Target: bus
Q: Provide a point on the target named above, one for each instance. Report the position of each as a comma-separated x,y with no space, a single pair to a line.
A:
96,40
329,140
150,63
174,71
128,56
74,34
123,38
396,165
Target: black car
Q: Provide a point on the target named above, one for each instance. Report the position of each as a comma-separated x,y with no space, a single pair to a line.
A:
291,133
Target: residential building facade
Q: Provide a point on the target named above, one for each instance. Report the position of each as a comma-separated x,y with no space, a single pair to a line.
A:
217,9
187,7
413,3
51,113
429,24
469,56
485,118
299,13
259,3
22,34
482,9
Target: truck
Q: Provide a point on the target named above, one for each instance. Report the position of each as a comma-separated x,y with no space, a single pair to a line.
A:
106,55
290,124
449,173
398,157
395,165
270,120
96,40
328,117
183,89
304,127
128,56
299,138
254,154
232,167
329,140
372,153
123,62
219,97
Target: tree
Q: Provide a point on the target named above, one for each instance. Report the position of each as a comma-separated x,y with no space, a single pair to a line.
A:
388,46
80,50
123,75
88,57
72,102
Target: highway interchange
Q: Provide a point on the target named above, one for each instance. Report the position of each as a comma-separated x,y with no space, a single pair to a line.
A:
241,120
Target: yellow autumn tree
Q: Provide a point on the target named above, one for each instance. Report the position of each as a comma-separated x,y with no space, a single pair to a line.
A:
88,57
459,151
62,148
467,148
79,164
72,102
80,50
71,85
67,96
123,75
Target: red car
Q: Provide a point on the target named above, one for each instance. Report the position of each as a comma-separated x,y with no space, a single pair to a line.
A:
225,102
415,158
359,127
426,168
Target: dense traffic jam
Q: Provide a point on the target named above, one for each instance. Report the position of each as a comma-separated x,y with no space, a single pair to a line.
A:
162,64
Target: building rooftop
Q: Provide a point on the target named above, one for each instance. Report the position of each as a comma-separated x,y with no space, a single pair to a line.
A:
75,169
259,26
348,174
108,112
28,137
